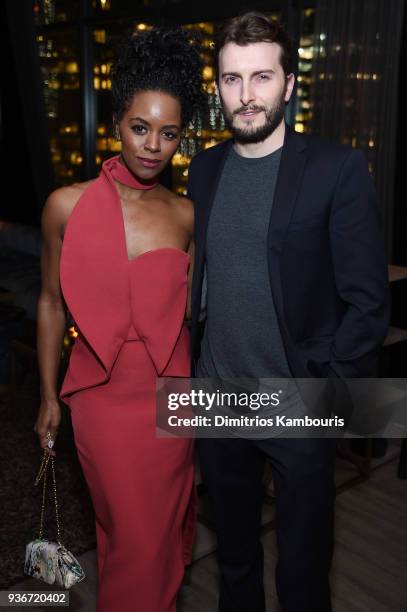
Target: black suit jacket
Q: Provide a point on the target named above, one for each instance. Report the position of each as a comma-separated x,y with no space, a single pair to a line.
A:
326,258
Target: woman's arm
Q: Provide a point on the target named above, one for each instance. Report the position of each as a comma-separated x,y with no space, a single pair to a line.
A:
51,318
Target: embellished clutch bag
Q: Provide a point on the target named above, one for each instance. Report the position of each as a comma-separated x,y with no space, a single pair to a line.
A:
46,560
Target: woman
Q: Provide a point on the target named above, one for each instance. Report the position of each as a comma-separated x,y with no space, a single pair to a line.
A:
120,248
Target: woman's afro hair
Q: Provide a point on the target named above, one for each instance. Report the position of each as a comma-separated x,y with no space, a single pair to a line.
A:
166,59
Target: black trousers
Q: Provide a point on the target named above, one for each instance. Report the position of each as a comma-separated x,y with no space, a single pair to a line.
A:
303,474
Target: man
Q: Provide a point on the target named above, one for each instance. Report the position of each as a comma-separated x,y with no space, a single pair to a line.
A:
291,273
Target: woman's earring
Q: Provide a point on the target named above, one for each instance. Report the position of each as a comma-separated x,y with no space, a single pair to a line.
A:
117,134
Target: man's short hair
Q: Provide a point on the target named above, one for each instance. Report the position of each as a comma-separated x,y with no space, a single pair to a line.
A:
254,27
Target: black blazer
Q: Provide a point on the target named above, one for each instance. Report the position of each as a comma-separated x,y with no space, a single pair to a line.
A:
326,259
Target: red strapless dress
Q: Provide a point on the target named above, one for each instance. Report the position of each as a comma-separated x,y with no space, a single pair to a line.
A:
130,319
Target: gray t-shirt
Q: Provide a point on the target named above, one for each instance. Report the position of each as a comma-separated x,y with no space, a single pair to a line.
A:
242,336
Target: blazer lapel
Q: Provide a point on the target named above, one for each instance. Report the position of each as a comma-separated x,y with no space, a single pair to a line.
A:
202,212
292,164
212,180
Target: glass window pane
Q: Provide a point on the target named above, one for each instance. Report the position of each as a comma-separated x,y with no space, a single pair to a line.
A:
115,8
54,11
59,53
306,53
105,41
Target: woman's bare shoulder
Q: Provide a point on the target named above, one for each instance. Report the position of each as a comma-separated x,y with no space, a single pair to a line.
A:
67,196
185,209
62,201
180,202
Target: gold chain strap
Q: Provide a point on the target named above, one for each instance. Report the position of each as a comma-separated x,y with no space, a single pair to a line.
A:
42,473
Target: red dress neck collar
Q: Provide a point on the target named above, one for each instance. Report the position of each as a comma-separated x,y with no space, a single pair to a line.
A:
116,167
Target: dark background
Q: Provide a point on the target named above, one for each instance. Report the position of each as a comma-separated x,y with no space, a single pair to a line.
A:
23,128
27,171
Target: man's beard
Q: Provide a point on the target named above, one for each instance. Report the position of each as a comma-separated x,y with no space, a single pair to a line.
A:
252,135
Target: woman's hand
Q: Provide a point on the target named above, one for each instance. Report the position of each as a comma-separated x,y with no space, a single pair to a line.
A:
48,420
